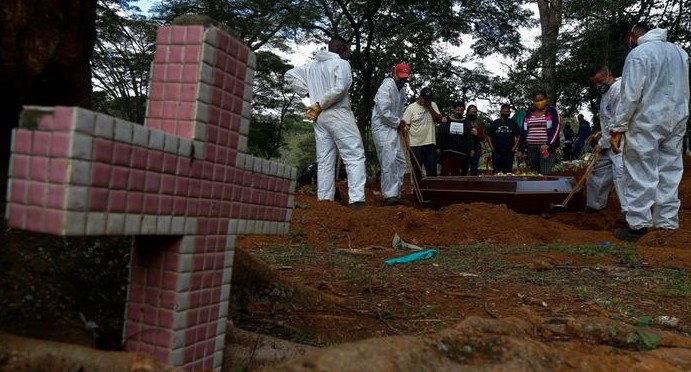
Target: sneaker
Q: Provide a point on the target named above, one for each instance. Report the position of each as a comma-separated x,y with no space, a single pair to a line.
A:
392,201
630,235
357,206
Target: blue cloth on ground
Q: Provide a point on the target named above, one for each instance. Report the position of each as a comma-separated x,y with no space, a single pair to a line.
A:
421,255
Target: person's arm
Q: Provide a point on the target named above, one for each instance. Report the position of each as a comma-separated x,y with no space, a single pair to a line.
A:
296,79
383,103
490,133
553,133
343,78
434,111
632,82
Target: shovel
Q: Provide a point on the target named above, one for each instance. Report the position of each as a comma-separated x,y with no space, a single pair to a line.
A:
589,169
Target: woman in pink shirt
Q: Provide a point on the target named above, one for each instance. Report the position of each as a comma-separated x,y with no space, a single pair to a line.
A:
540,135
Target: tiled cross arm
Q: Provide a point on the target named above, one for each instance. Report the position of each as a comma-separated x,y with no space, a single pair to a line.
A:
76,172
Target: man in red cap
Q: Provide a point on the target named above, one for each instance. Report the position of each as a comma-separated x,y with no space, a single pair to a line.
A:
386,123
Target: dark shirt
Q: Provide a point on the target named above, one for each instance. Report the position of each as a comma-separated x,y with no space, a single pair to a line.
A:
583,132
568,135
454,136
503,133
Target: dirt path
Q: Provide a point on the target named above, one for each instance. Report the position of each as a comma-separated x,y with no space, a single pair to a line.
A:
491,264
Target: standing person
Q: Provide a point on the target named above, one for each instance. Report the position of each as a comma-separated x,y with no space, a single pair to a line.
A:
387,122
478,132
610,166
582,135
456,143
420,118
503,137
540,135
568,142
327,80
652,116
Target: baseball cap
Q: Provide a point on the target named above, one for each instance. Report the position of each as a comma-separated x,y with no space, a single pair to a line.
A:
402,70
426,93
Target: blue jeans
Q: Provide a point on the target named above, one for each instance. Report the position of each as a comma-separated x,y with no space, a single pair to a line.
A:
426,156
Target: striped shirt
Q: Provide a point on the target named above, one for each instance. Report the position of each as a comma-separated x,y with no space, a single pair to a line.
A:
537,130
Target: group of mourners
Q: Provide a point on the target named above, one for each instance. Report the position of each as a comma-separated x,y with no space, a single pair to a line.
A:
642,115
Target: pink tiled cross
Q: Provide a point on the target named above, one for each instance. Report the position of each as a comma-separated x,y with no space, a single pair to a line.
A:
182,185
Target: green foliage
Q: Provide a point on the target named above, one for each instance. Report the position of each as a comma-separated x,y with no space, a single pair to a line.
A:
643,339
121,60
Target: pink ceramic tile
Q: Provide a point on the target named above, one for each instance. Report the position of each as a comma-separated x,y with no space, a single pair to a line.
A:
103,150
150,318
206,189
166,318
137,180
97,199
167,300
169,110
17,216
139,157
158,73
135,201
172,92
119,178
166,205
39,168
122,153
20,166
35,219
41,143
100,174
161,55
191,73
186,110
58,171
189,351
117,201
194,34
185,129
176,54
167,184
188,92
178,34
151,204
46,123
155,109
163,36
37,194
164,340
60,144
18,191
22,141
63,118
174,73
152,182
192,207
154,161
181,186
56,196
192,53
179,206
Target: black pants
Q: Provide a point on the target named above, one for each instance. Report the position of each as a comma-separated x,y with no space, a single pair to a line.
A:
426,156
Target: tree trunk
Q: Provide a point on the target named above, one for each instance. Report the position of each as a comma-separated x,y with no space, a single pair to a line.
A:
46,49
550,23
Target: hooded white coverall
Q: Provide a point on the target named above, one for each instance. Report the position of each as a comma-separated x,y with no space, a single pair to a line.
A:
653,111
386,116
610,167
327,80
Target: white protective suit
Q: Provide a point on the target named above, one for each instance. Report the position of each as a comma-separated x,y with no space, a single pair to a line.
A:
386,116
653,111
610,167
327,80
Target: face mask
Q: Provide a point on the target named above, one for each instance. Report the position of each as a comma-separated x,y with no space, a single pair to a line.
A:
603,88
540,104
400,83
472,116
504,116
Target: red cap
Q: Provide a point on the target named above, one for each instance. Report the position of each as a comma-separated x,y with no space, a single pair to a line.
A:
402,70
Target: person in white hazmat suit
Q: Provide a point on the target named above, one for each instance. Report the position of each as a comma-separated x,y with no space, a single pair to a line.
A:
651,115
387,114
610,166
326,80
